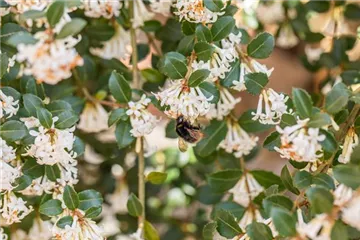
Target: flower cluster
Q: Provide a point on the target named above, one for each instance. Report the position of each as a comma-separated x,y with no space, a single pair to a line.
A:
93,118
8,105
225,105
101,8
49,60
300,143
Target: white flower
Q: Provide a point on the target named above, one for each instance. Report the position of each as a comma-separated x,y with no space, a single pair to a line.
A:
141,14
161,6
94,118
3,235
40,230
184,100
118,199
313,54
8,176
351,141
250,216
119,46
300,143
270,13
102,8
8,106
195,11
81,228
267,222
246,189
109,222
142,121
226,103
7,153
287,37
255,66
237,140
21,6
13,209
342,195
351,212
91,156
49,60
274,106
319,228
39,186
30,122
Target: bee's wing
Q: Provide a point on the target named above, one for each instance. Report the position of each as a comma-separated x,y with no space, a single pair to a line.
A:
182,145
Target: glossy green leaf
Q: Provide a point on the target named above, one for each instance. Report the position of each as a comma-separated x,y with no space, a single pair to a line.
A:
277,201
134,206
156,177
119,87
258,231
261,46
319,120
203,34
271,141
267,179
284,221
45,117
348,174
222,27
55,12
250,125
173,65
71,198
93,212
321,199
13,131
72,28
255,82
302,179
51,208
204,51
67,119
198,77
89,198
210,91
227,225
302,102
224,180
337,98
33,169
288,181
32,103
150,232
209,231
117,115
64,221
122,133
324,180
52,172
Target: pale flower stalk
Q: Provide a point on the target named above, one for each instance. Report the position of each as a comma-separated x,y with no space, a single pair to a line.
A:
237,140
271,107
94,118
246,190
49,60
351,141
8,106
195,11
226,104
299,143
184,100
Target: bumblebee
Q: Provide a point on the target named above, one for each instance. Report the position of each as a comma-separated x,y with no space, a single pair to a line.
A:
187,133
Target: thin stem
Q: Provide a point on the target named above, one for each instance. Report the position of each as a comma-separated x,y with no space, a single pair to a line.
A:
153,44
244,57
141,182
134,57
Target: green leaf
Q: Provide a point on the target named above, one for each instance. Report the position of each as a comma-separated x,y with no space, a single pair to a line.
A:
64,221
4,64
210,90
31,103
188,28
222,27
89,198
22,182
330,144
45,117
339,231
302,179
214,134
271,141
93,212
337,98
33,169
55,12
236,209
51,208
33,14
284,221
79,146
67,119
255,82
150,233
352,11
288,181
204,51
224,180
134,206
186,45
116,116
52,172
277,201
250,125
209,231
324,180
214,5
261,46
232,75
71,198
119,87
203,34
287,120
227,225
156,177
198,77
152,75
257,231
319,120
72,28
122,133
321,200
58,106
267,179
13,131
302,102
348,174
8,91
173,65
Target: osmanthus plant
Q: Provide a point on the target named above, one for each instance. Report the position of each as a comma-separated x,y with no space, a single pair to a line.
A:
86,86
